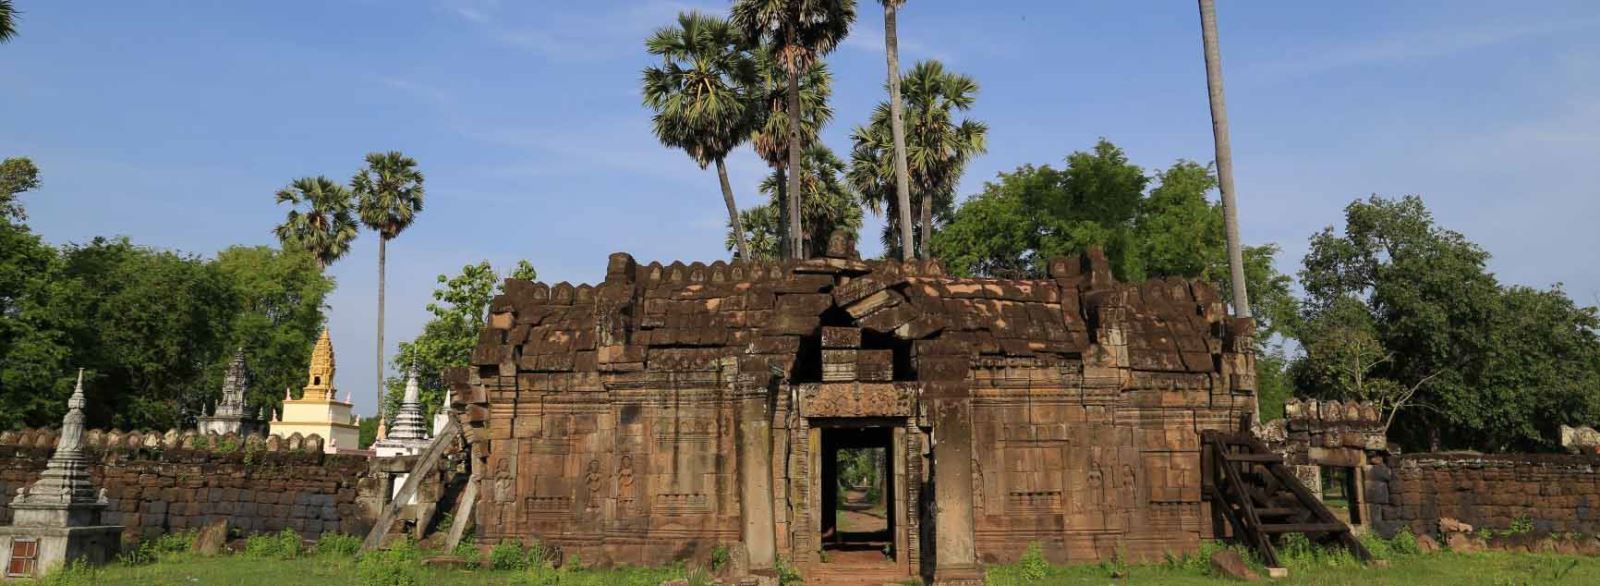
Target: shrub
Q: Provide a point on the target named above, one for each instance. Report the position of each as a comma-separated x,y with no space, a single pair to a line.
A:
508,555
383,568
467,551
788,574
1522,525
1032,567
338,544
1404,542
719,558
283,545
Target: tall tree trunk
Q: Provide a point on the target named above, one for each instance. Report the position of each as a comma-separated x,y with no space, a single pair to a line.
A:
733,211
383,257
783,212
1219,133
796,247
902,177
923,246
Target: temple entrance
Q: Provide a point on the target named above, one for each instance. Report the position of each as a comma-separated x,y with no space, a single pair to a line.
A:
857,486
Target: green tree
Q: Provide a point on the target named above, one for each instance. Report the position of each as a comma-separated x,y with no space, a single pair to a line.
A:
797,33
902,173
1398,306
460,310
770,135
702,96
281,296
388,196
937,148
763,233
17,175
325,227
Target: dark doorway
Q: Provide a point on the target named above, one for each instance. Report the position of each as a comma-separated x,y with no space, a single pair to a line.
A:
857,485
1339,493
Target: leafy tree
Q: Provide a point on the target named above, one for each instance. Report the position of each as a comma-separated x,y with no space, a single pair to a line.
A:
902,173
937,149
762,230
1398,306
460,310
388,196
281,296
797,33
325,227
17,175
702,95
144,323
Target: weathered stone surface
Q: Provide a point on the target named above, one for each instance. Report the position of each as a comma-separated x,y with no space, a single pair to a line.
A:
1070,409
1230,564
211,538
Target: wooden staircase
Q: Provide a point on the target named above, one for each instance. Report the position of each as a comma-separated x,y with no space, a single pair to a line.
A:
1250,487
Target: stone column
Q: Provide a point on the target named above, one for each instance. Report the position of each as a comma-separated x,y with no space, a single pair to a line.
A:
955,550
755,482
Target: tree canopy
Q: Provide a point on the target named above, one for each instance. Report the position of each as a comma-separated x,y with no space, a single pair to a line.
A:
1400,309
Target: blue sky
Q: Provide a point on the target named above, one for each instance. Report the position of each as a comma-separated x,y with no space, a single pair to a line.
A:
174,122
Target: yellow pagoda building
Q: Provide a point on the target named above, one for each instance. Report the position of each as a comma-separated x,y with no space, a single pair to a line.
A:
317,410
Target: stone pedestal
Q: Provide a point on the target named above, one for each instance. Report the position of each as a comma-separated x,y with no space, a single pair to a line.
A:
55,547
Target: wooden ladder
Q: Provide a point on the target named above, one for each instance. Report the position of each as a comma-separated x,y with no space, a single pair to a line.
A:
1250,487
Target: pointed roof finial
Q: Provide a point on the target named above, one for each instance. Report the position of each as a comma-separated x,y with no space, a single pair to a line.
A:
77,402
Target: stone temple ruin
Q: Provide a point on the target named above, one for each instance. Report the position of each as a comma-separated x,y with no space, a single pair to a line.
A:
676,408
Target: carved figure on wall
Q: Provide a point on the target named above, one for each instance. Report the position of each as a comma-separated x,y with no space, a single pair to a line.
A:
502,481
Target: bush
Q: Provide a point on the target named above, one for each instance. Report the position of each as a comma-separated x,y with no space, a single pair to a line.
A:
1405,542
338,544
152,550
283,545
386,568
78,573
719,558
508,555
467,551
1032,566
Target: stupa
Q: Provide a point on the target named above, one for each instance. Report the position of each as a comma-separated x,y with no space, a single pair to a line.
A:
228,416
408,436
318,410
57,520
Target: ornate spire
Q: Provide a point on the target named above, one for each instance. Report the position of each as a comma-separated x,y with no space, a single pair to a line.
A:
233,384
319,378
408,420
64,484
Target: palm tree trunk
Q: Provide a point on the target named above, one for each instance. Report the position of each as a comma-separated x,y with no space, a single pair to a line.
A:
383,254
783,212
796,247
927,225
1219,133
733,210
902,177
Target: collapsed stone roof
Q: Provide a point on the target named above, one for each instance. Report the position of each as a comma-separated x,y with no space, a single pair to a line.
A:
685,316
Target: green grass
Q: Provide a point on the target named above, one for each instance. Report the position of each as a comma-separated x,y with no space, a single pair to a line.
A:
402,568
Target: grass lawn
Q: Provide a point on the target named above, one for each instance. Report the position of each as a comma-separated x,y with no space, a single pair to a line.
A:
1489,569
330,571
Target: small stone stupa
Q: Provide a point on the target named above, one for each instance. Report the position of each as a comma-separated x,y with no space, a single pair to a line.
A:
408,437
57,520
228,416
318,410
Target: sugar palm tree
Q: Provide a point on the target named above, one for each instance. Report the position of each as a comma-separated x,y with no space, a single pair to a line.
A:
902,177
798,32
770,136
325,227
388,197
701,95
828,204
937,148
8,21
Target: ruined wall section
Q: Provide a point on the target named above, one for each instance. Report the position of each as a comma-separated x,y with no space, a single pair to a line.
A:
1556,492
162,483
1090,441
